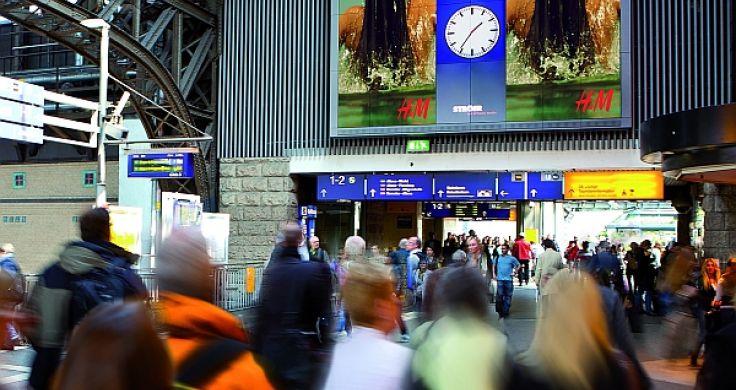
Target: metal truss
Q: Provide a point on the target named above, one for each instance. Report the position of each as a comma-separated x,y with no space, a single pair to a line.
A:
165,50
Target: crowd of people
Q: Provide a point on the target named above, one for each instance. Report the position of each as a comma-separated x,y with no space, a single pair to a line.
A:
336,323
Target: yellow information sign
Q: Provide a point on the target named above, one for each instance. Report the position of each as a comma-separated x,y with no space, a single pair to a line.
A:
614,185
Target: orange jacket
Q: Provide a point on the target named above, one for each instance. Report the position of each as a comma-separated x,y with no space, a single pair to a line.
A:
191,322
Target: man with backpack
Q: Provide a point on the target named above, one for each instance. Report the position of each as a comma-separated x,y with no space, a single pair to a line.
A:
12,293
89,272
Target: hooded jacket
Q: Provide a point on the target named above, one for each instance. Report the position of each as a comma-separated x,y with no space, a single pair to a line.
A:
192,322
51,296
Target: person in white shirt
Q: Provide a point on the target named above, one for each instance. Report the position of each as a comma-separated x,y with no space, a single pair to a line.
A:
369,360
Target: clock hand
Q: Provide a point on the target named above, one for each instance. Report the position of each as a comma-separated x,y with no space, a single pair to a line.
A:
468,37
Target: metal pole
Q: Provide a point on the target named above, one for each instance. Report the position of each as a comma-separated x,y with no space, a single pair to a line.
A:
101,168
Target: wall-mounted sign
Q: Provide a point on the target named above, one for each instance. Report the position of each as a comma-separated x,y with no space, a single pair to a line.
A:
161,165
614,185
512,185
399,187
468,186
340,186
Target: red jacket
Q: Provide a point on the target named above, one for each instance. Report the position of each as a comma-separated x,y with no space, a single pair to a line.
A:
522,249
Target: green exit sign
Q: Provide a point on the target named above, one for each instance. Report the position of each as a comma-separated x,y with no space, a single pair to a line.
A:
417,145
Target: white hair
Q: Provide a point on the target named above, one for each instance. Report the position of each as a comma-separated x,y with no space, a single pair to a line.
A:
355,247
403,242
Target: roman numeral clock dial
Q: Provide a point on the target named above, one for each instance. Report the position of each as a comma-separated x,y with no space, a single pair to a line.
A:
472,31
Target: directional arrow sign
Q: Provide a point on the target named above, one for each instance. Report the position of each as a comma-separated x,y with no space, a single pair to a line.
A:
339,186
373,193
509,188
544,185
440,193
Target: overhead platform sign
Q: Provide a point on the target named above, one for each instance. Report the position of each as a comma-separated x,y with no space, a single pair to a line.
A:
467,186
340,186
21,111
614,185
529,186
398,187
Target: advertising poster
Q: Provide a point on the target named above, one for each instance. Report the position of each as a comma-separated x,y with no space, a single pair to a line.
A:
178,210
435,62
126,224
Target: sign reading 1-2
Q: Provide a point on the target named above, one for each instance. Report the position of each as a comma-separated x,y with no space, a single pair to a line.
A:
334,187
472,31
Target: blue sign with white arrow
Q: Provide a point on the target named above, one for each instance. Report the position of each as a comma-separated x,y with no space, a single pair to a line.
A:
511,186
467,186
398,187
340,186
544,186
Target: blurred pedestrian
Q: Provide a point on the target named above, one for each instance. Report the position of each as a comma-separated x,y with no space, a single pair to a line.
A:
571,348
68,289
12,286
368,360
718,366
420,278
206,343
293,333
459,349
116,347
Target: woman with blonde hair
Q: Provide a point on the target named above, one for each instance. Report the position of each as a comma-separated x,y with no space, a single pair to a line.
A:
571,348
710,274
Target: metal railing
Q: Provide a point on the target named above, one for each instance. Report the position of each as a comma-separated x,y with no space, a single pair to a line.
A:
237,286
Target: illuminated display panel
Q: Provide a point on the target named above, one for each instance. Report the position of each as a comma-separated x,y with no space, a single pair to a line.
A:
454,66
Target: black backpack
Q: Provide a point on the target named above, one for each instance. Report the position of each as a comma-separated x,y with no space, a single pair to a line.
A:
99,286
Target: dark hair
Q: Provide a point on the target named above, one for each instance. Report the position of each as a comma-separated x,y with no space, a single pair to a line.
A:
462,288
549,244
94,225
122,336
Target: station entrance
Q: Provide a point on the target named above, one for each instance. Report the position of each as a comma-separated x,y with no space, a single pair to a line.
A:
617,206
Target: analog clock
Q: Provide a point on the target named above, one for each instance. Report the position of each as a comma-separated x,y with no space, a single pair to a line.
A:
472,31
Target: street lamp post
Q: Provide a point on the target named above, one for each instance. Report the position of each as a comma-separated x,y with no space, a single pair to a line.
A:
104,28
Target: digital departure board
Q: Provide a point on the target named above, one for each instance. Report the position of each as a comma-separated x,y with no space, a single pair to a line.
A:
161,165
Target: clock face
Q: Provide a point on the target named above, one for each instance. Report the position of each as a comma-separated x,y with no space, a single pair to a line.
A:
472,31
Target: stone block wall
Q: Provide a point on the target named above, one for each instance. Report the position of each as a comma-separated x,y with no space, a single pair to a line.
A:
719,204
259,195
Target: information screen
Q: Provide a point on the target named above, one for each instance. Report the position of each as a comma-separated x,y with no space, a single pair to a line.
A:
445,66
161,165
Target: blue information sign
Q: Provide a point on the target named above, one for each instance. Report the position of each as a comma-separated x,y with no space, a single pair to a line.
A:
340,186
398,187
438,210
464,186
161,165
495,214
511,186
544,186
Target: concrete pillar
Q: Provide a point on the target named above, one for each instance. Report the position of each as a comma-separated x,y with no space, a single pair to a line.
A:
719,204
259,196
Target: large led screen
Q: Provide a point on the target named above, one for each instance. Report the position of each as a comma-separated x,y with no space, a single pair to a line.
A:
424,66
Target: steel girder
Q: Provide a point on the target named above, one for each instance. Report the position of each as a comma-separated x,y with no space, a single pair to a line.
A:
179,88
